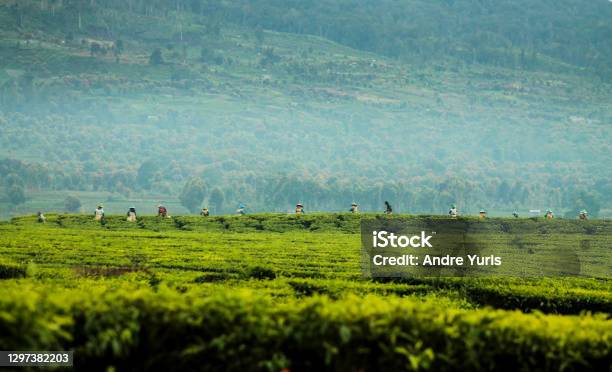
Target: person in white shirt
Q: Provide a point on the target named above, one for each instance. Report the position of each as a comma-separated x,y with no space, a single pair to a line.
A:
453,211
99,213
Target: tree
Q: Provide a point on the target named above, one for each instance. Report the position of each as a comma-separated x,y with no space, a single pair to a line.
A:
13,179
156,57
193,194
16,195
213,29
259,34
118,49
72,204
146,173
95,49
268,57
503,191
208,55
584,200
119,46
217,199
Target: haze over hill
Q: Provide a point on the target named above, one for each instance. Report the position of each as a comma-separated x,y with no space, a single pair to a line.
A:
490,104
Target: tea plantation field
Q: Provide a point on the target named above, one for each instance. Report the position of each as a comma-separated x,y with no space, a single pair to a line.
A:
274,292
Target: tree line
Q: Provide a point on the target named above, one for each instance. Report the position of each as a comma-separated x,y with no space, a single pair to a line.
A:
280,193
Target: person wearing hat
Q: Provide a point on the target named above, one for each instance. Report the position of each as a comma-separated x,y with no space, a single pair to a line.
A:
162,211
99,213
241,209
584,215
354,208
131,214
482,214
453,211
549,215
204,212
299,208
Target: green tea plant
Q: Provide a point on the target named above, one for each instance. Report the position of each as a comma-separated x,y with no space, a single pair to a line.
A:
276,291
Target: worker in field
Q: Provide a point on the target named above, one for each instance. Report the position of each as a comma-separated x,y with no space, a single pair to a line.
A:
482,214
162,211
299,209
99,213
583,215
515,214
241,209
40,217
204,212
131,214
388,209
354,208
453,211
549,215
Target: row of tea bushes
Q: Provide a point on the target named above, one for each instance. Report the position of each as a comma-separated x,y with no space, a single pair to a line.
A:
136,328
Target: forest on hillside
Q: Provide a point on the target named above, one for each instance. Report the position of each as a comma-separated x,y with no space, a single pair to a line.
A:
506,33
488,104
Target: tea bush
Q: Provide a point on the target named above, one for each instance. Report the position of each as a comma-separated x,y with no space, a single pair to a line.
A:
267,292
132,328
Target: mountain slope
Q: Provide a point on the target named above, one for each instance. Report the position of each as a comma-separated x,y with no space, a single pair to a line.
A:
274,117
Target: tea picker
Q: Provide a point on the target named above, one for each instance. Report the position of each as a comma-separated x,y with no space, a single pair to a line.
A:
388,208
131,214
162,211
241,209
299,209
99,213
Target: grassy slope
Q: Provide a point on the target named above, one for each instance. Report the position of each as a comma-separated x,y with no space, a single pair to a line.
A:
281,285
211,254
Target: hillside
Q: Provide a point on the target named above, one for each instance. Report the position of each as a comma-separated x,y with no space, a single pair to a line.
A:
271,110
277,291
